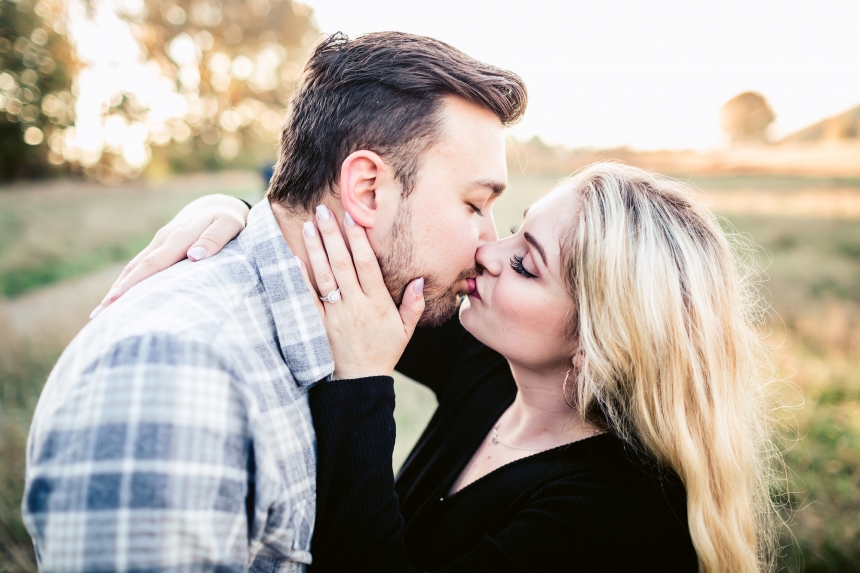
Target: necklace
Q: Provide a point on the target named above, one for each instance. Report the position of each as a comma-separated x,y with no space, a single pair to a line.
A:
495,438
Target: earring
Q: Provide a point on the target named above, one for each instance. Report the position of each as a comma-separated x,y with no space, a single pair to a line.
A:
564,388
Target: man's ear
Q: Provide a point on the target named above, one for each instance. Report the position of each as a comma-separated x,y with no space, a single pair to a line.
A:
362,174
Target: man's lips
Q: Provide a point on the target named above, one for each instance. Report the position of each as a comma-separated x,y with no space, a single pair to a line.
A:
472,288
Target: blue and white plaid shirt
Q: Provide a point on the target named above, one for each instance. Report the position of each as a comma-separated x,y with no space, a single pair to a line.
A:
174,434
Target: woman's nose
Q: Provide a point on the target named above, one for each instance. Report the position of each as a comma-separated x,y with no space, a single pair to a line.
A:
490,257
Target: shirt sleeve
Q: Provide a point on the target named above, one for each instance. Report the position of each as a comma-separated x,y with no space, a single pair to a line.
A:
140,461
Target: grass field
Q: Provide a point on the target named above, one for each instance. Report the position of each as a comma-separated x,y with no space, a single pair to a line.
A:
808,228
58,230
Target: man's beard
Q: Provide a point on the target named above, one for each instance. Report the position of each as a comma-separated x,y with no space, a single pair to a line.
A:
399,268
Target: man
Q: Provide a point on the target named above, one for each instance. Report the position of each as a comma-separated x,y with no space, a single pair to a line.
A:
174,432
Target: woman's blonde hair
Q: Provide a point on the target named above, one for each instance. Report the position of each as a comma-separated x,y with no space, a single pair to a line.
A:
673,361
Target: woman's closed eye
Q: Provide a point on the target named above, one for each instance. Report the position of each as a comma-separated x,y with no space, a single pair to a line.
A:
517,265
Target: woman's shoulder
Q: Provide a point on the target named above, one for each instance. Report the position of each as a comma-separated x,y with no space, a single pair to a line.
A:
614,469
604,487
594,503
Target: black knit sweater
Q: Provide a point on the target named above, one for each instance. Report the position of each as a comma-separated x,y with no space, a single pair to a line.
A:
587,506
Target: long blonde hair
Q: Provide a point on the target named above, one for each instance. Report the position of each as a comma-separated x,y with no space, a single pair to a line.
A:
673,362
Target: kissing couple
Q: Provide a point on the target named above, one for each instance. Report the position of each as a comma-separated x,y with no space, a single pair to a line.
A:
601,390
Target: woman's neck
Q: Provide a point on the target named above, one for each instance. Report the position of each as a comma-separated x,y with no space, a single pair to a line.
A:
540,415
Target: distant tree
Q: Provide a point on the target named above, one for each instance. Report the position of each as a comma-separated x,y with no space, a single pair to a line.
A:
234,63
37,67
746,117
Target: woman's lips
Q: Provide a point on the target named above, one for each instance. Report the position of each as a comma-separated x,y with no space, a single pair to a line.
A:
472,288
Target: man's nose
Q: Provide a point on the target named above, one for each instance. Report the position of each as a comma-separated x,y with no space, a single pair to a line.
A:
488,229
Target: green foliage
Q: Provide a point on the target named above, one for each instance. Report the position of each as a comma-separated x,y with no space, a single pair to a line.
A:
826,484
814,288
36,71
232,66
52,269
21,380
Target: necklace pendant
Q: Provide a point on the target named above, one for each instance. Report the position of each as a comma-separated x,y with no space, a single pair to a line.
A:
495,436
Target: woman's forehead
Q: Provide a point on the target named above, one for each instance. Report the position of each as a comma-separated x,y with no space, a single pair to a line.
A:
560,198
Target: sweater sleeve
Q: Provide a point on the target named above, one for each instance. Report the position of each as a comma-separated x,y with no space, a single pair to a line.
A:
605,523
358,523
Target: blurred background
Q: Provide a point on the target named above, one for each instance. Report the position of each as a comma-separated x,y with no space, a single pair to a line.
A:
116,113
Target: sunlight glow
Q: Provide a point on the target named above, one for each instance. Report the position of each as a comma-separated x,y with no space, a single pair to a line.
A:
647,75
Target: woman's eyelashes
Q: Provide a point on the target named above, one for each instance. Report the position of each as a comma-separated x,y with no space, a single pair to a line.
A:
476,209
517,265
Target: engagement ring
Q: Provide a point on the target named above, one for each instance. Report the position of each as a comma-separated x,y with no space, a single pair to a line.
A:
333,296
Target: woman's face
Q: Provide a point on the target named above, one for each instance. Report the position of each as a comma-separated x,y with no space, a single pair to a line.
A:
518,304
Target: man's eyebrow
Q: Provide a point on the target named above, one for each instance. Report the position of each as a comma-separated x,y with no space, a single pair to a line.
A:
533,242
497,187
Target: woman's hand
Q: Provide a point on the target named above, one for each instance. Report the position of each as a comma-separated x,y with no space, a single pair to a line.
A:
367,331
199,231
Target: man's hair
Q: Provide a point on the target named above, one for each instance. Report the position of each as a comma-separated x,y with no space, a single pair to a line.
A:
382,92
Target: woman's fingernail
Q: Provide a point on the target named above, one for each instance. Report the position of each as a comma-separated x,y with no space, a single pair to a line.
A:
323,213
347,220
96,311
419,286
114,292
197,253
309,230
300,263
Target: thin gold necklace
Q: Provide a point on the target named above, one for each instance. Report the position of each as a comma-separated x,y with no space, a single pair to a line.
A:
495,438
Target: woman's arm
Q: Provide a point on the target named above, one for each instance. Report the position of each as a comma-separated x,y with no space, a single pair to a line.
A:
199,230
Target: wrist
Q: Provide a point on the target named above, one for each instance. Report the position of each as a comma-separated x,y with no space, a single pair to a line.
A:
352,374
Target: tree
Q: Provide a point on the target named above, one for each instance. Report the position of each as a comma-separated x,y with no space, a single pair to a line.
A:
37,66
234,63
746,117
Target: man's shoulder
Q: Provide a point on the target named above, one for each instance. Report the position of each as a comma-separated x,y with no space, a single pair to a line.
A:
188,300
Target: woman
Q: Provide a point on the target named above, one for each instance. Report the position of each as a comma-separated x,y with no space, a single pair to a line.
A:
602,402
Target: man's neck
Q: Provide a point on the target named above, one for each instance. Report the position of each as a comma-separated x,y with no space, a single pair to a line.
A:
292,224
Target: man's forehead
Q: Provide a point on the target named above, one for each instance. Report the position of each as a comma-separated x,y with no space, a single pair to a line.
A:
470,151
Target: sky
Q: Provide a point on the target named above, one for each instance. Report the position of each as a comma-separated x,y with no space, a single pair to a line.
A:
649,74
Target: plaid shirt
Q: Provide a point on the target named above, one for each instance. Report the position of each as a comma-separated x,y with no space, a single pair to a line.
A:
174,434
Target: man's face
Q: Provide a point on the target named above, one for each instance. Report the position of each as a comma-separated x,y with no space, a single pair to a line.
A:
439,227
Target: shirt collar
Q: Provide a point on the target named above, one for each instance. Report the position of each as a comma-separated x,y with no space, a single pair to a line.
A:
301,334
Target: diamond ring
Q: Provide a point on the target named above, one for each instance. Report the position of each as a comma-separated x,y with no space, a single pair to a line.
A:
333,296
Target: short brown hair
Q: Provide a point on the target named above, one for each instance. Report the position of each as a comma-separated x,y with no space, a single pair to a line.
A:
381,92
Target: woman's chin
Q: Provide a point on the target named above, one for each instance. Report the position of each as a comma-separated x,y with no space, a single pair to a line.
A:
468,308
468,305
470,319
465,308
